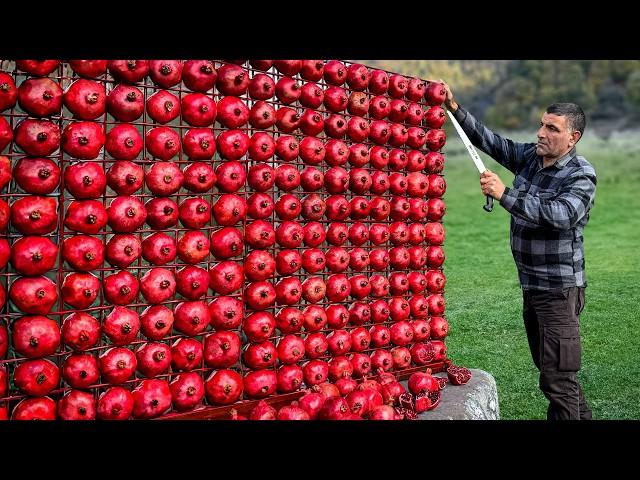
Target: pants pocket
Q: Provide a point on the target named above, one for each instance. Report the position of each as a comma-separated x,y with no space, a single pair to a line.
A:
561,350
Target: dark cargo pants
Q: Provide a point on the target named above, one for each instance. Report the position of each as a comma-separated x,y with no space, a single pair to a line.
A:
552,322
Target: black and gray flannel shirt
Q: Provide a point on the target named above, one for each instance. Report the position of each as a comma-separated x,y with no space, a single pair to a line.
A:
549,208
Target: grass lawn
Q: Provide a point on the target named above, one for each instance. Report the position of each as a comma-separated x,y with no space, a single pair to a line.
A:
484,300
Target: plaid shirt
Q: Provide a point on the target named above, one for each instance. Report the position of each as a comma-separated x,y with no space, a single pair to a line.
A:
549,207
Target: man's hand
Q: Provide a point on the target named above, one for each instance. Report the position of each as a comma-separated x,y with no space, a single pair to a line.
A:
449,102
491,184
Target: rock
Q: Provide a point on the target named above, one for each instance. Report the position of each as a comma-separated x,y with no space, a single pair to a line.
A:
477,400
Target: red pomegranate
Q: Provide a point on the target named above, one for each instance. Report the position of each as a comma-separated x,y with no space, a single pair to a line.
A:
165,73
116,403
163,106
80,370
117,365
162,143
223,387
156,322
38,138
86,99
187,391
83,253
128,71
186,354
125,103
121,326
232,80
199,75
40,97
85,180
158,285
153,359
151,398
262,115
79,290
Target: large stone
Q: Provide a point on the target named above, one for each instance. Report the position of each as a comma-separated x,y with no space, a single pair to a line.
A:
477,400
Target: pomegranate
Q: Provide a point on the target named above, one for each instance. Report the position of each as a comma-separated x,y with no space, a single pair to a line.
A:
34,215
83,253
311,95
33,295
380,336
312,179
289,234
399,111
164,178
163,143
312,151
262,115
157,285
232,112
263,411
435,209
335,125
335,99
312,70
379,132
458,375
77,405
128,71
398,86
86,99
360,287
116,403
222,350
38,176
36,377
37,138
339,340
80,370
165,73
33,256
163,106
85,180
122,250
79,290
199,177
316,345
259,356
315,372
435,139
232,144
40,97
380,108
401,358
226,277
125,103
126,214
192,318
151,398
156,321
435,93
361,364
223,387
232,80
42,408
289,320
260,234
199,75
124,142
125,177
262,147
261,177
439,327
229,209
260,384
225,313
159,249
415,115
287,90
398,234
312,403
336,180
117,365
121,326
259,326
399,309
382,359
85,216
292,412
261,87
379,82
121,288
8,92
417,213
153,359
335,72
186,354
187,391
378,234
288,291
423,382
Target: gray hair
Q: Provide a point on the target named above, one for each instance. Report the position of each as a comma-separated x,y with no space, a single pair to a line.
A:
575,116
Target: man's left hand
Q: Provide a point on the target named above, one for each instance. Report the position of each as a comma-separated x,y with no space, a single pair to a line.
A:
491,184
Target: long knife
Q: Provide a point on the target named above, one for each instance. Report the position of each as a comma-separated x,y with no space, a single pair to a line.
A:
474,156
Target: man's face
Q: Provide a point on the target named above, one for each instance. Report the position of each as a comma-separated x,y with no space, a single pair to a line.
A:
554,136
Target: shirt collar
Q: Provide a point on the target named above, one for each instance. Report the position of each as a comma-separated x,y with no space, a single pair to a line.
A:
562,161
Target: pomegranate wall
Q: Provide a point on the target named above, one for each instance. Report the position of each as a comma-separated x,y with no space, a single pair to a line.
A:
184,237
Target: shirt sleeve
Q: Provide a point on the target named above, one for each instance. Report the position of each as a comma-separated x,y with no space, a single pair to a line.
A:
507,153
560,212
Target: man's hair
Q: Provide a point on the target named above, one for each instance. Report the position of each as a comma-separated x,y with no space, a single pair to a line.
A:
575,116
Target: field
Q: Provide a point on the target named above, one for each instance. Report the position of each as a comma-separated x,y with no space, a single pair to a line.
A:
484,300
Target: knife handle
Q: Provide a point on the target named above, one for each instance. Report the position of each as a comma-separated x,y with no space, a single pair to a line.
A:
489,205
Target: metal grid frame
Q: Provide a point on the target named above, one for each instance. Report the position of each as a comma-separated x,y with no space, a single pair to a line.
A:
64,76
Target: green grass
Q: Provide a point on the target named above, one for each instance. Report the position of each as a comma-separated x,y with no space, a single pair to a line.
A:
484,300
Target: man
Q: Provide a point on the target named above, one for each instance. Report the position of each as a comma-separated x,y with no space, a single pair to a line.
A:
552,194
